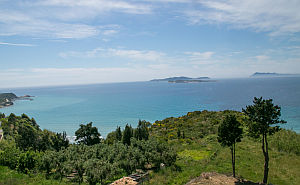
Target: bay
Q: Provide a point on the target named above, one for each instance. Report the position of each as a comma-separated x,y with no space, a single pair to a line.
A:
63,108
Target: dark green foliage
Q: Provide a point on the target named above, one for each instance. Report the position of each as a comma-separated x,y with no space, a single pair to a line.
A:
87,134
12,118
141,132
27,137
60,141
262,115
9,96
127,134
2,115
229,133
118,134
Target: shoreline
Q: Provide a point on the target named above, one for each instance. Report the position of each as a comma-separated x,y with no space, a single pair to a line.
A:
9,98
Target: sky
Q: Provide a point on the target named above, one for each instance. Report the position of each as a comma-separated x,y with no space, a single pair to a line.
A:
64,42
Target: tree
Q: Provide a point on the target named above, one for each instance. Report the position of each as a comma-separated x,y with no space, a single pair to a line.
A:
27,137
97,171
2,115
118,134
229,133
262,114
141,132
127,135
87,134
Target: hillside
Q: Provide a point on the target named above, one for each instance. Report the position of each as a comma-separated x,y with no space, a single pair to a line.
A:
186,145
180,78
266,75
7,99
194,137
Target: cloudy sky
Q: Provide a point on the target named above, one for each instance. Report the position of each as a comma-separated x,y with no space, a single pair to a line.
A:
57,42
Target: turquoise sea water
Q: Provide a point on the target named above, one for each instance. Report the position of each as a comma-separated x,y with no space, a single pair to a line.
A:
111,105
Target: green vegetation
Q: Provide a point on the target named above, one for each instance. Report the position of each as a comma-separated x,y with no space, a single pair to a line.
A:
7,99
187,146
87,134
262,114
30,150
229,133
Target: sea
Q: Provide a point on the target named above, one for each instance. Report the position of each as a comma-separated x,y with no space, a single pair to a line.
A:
64,108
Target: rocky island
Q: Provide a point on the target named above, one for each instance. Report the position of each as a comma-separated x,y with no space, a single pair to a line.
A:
6,99
269,75
183,79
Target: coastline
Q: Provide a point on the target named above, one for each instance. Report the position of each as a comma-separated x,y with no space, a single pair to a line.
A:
8,99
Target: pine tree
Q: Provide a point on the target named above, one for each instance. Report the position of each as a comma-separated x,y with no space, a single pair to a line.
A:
229,133
262,114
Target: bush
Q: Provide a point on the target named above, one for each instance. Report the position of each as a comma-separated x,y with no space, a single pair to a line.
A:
9,153
286,141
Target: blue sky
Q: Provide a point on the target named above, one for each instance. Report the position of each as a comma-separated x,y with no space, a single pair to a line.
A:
59,42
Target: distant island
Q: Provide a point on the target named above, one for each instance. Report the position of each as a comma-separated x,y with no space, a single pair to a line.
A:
183,79
6,99
267,75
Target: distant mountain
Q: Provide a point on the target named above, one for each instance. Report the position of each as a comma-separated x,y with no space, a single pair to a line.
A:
265,75
180,78
6,99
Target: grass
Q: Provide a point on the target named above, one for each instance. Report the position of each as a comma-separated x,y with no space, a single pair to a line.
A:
12,177
284,167
200,152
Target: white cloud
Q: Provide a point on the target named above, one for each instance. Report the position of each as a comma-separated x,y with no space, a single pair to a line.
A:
200,55
274,16
16,44
140,55
63,18
262,57
92,7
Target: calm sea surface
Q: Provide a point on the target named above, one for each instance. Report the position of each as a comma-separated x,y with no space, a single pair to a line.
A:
111,105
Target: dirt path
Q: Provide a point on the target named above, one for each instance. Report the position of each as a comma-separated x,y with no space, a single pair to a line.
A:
212,178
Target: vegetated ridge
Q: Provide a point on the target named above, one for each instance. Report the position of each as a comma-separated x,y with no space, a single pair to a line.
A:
6,99
265,75
183,79
175,150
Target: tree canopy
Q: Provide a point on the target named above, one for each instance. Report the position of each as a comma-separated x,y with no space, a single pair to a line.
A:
87,134
262,115
229,133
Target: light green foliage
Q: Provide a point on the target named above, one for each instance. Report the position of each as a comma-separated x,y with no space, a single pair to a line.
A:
286,141
9,153
193,126
98,171
27,161
194,154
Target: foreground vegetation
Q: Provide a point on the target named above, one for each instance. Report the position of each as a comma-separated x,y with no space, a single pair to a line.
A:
186,146
199,150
